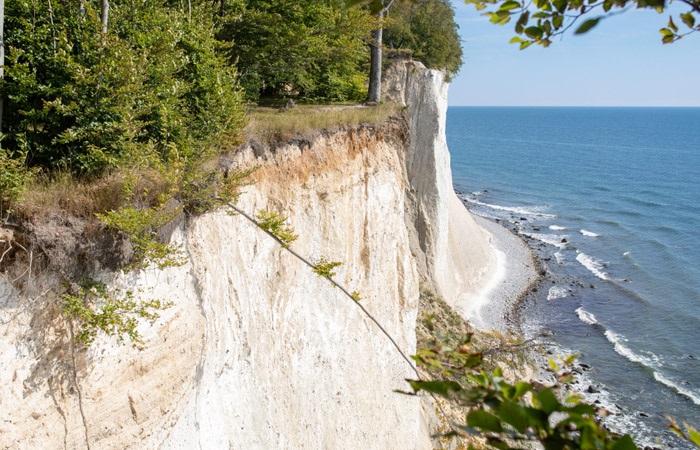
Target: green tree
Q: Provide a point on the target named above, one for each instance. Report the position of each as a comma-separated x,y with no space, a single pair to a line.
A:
284,48
428,29
154,88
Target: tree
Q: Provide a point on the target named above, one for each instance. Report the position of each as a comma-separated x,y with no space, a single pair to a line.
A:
285,48
428,29
156,86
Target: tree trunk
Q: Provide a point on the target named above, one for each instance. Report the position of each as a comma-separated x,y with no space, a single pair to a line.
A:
105,16
374,93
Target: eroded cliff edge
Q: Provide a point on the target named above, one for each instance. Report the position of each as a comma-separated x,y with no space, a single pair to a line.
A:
258,351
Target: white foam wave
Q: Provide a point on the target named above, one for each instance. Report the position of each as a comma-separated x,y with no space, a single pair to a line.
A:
651,362
585,316
551,239
556,228
556,292
592,264
589,233
617,341
512,209
692,395
626,254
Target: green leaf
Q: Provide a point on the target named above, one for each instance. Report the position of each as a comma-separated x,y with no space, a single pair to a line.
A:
525,45
547,27
560,5
666,32
479,6
514,414
667,39
587,25
557,21
548,401
693,434
624,443
534,32
521,388
510,4
688,19
515,40
483,420
441,388
672,25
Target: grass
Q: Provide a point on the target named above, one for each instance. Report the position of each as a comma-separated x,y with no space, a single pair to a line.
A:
64,194
271,125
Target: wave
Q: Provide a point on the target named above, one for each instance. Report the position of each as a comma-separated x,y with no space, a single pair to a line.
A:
551,239
589,233
692,395
511,209
557,228
556,292
617,341
651,363
586,317
592,264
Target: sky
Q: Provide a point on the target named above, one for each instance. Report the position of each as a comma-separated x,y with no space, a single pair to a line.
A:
621,62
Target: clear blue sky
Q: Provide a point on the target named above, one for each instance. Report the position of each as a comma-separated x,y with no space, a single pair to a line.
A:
621,62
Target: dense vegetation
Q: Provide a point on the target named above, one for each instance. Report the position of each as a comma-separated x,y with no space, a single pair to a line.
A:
427,28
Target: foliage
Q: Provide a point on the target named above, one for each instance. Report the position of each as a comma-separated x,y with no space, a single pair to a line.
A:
325,268
313,49
141,225
274,224
356,296
690,434
551,18
154,88
115,317
512,415
13,178
428,29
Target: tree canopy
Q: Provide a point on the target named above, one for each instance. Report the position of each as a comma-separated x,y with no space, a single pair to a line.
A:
82,99
315,49
428,29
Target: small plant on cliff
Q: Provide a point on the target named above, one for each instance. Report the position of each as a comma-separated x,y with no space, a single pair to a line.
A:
13,177
274,224
325,268
141,225
116,316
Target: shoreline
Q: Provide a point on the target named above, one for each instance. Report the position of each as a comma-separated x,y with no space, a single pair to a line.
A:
518,274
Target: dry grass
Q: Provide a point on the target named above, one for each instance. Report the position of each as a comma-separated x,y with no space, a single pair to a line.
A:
64,194
274,124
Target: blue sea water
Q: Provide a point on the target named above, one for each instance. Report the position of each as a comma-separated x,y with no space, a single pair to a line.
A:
610,200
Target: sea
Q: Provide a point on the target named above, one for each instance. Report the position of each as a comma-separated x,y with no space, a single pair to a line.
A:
609,200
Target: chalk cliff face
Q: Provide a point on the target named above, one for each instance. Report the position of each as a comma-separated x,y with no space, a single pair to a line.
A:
258,351
452,251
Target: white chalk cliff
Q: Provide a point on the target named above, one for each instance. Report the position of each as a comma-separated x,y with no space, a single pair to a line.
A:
258,352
